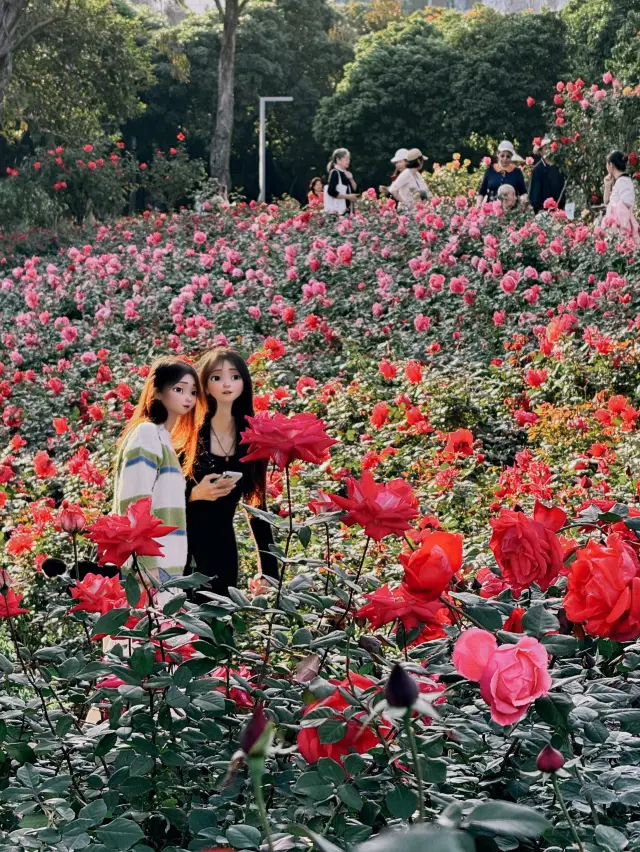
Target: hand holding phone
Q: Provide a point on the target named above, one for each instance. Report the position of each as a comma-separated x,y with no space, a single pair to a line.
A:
232,475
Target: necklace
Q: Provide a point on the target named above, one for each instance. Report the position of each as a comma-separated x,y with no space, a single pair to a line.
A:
227,453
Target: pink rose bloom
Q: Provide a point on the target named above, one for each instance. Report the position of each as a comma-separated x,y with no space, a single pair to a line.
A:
200,237
511,677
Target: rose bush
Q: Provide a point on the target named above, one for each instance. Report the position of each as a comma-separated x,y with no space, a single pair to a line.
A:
430,391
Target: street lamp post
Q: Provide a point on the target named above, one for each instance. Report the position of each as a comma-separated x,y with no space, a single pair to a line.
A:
263,141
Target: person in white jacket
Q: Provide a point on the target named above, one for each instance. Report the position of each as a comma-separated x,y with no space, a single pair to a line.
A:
409,187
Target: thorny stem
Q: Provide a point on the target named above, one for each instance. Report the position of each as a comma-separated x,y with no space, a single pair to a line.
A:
416,763
326,585
267,650
355,583
563,807
256,777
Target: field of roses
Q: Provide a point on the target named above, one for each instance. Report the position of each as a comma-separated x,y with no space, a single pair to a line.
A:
452,654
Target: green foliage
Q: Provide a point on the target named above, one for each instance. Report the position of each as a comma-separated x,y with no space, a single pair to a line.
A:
172,177
439,78
279,51
80,78
594,28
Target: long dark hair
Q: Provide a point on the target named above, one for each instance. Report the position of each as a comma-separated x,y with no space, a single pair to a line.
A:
254,478
164,373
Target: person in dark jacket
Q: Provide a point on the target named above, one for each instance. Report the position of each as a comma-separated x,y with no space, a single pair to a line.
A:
212,498
547,181
504,171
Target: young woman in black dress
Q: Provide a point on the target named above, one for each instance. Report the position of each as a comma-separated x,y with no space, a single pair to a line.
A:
212,498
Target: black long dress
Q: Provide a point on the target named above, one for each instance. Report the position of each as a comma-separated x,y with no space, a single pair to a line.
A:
210,534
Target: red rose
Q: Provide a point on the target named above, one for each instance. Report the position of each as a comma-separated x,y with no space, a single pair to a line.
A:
98,594
527,549
430,569
387,369
10,604
118,536
43,465
282,439
380,510
356,738
459,442
379,414
604,590
386,605
413,372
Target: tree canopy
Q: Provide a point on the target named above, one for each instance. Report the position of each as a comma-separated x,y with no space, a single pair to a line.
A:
443,81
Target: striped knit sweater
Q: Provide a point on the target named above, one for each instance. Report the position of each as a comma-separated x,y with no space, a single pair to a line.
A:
148,467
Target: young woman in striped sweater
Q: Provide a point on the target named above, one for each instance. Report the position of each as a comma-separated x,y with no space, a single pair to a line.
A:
165,422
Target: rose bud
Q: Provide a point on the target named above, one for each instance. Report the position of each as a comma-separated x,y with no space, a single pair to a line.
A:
255,737
401,689
72,519
550,760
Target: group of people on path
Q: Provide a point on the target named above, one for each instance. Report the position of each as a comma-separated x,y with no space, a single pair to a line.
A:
503,180
182,448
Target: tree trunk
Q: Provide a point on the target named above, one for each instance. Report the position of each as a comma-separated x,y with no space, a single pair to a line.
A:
222,135
11,12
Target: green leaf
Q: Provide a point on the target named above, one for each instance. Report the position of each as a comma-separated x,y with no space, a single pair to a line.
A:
434,771
304,534
508,819
174,605
111,622
28,776
132,590
190,581
402,802
330,770
610,838
350,796
6,666
354,763
537,621
63,725
243,836
558,645
311,784
302,637
486,615
176,699
121,834
195,625
95,812
332,731
554,710
21,752
596,731
105,744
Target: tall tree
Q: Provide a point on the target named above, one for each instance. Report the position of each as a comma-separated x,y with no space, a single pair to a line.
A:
20,21
220,156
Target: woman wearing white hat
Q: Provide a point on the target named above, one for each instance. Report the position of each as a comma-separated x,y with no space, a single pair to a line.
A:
504,171
409,187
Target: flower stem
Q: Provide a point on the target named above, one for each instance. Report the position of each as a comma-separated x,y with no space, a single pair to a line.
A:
416,763
355,583
563,807
256,769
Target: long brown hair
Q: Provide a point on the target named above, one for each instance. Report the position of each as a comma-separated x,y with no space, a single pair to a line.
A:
163,373
254,479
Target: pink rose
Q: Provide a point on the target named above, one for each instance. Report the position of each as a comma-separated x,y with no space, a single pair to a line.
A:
511,677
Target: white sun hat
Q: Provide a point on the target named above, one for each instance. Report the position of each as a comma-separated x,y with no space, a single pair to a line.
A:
400,154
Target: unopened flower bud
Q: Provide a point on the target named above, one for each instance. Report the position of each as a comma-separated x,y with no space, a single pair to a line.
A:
401,689
550,760
72,519
255,737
